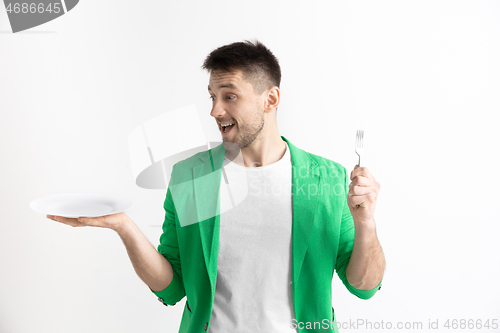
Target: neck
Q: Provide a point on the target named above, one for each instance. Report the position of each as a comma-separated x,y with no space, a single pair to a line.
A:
266,149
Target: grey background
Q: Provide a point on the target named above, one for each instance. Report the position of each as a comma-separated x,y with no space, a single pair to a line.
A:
421,77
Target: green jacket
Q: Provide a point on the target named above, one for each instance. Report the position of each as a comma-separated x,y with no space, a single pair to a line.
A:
322,237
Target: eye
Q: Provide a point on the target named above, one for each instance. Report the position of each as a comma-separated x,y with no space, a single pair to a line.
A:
212,98
231,96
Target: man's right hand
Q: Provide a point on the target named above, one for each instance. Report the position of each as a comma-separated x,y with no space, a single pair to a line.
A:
112,221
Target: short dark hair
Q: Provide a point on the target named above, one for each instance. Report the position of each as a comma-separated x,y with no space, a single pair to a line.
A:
258,64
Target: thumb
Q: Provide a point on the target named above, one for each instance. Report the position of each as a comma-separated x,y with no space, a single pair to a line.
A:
87,220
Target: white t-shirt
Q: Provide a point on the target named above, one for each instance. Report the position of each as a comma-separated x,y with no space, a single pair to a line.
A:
253,291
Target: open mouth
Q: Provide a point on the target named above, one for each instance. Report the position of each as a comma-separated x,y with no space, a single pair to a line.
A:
226,129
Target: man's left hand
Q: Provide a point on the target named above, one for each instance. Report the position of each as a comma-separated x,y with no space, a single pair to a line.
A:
363,191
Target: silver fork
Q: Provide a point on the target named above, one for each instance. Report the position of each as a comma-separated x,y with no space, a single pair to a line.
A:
359,144
359,147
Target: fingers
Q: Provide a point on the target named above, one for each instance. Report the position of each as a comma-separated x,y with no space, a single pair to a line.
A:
91,221
361,171
360,190
363,191
67,220
362,200
112,221
362,181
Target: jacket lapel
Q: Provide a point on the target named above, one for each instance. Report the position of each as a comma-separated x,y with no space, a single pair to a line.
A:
206,179
306,183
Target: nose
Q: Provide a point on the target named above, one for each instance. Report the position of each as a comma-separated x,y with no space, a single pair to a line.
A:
217,110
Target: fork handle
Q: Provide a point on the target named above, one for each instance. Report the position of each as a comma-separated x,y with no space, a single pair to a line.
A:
359,165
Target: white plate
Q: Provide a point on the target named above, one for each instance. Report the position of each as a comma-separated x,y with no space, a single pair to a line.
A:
81,204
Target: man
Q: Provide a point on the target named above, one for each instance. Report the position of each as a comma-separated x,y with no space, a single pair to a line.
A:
254,228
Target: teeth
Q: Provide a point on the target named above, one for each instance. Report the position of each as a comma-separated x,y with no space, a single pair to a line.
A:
224,125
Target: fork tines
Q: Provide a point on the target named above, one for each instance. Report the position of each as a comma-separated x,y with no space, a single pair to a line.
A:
359,144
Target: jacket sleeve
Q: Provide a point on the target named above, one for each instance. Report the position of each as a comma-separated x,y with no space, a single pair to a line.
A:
346,244
169,248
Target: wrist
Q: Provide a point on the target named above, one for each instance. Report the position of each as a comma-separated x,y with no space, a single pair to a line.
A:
365,227
124,225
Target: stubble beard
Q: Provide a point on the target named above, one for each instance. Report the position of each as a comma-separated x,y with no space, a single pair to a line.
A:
246,133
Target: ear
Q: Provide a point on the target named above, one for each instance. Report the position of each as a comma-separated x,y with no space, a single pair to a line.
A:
272,99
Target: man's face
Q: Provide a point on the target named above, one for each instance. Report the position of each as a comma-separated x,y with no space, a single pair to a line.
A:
234,101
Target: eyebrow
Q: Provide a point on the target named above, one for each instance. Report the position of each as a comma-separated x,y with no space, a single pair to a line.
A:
225,85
